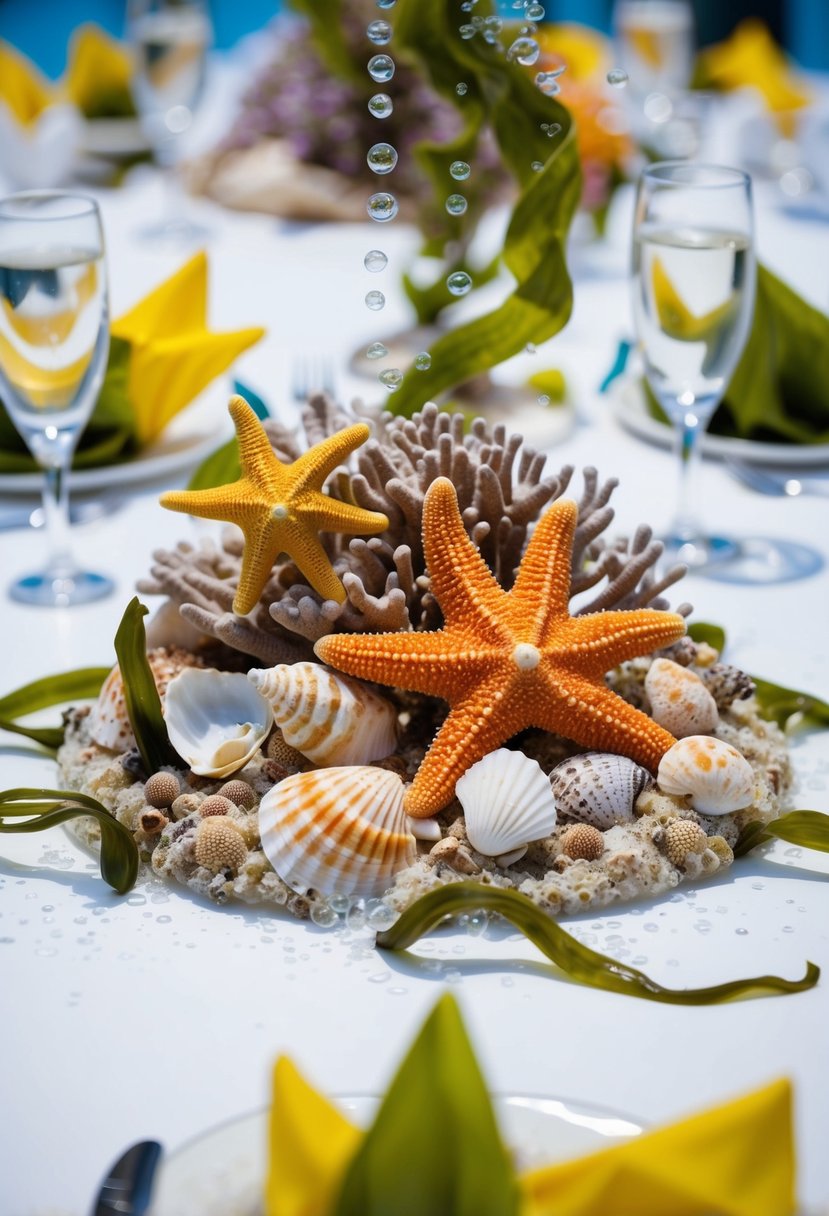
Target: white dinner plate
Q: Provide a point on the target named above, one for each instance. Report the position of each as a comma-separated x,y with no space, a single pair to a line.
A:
221,1173
627,400
190,437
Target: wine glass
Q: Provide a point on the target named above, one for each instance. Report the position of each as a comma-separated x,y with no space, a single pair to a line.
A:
653,44
54,344
170,39
693,299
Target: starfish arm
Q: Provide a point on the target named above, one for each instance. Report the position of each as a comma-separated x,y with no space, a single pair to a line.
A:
429,663
592,715
310,470
602,640
261,551
461,581
542,585
221,502
304,547
474,727
259,463
331,515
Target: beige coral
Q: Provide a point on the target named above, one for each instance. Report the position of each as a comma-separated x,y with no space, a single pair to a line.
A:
161,790
683,836
215,805
219,845
238,792
583,841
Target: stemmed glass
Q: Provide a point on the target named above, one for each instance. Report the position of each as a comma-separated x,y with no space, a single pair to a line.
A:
54,343
693,299
170,39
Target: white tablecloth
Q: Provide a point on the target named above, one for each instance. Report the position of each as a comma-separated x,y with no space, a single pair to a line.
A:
155,1015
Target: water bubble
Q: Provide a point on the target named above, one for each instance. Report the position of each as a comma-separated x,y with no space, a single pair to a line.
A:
460,170
375,300
380,105
423,361
494,23
741,932
524,51
461,88
551,129
617,78
467,31
391,379
382,207
375,260
478,23
381,158
379,977
340,904
475,923
356,916
530,348
466,7
397,991
492,38
543,399
377,351
459,283
378,32
456,204
381,68
535,12
547,82
381,917
386,3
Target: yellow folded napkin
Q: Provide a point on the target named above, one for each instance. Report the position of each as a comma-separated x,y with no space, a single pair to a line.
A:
24,90
98,72
173,355
751,58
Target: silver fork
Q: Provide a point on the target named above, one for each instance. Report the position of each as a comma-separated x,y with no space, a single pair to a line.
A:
312,374
780,485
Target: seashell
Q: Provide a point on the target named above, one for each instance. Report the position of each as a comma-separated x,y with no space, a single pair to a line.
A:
424,829
599,788
331,719
507,802
216,720
679,700
340,831
109,724
714,774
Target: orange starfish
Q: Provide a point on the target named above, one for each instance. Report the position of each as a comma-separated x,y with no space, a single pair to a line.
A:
281,507
507,660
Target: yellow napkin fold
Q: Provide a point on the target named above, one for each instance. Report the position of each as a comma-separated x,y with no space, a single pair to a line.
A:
751,58
736,1160
173,353
98,68
25,91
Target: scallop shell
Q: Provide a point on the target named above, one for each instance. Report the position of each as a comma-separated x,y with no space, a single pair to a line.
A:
507,802
216,720
109,724
714,774
679,700
330,718
340,831
598,788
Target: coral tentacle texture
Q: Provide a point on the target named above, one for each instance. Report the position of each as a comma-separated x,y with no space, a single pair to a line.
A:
508,660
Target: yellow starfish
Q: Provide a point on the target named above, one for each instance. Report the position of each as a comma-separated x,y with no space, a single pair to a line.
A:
281,507
508,660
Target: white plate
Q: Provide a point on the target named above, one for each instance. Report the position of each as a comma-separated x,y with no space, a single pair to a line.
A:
191,436
221,1172
627,400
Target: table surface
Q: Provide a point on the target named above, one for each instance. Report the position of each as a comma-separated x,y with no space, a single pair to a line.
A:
155,1015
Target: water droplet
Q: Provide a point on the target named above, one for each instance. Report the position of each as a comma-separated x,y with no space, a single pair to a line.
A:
478,23
547,82
530,348
375,300
524,51
492,38
535,12
494,23
617,78
323,915
551,128
380,105
741,932
375,261
377,351
423,361
382,207
461,88
651,928
788,928
475,923
163,920
391,379
537,166
507,981
380,916
386,3
467,31
459,283
543,399
340,904
378,32
379,977
356,917
381,158
460,170
397,991
381,68
456,204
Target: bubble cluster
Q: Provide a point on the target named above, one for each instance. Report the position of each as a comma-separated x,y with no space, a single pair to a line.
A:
380,105
382,207
381,68
381,158
456,204
459,283
375,300
375,261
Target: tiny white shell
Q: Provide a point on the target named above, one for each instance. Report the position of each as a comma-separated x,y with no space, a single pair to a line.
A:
679,700
331,719
340,831
424,829
109,724
507,802
599,788
714,774
216,720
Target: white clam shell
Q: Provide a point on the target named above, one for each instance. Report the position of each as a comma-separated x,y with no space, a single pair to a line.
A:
109,724
340,831
216,720
331,719
715,775
679,700
599,788
507,802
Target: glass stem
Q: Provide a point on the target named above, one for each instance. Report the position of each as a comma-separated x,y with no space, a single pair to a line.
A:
56,514
687,440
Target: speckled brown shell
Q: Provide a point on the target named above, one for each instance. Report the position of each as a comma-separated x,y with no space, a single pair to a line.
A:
598,788
109,724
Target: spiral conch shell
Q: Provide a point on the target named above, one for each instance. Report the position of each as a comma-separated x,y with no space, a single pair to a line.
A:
109,724
340,831
330,718
599,788
507,803
216,720
714,774
679,700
